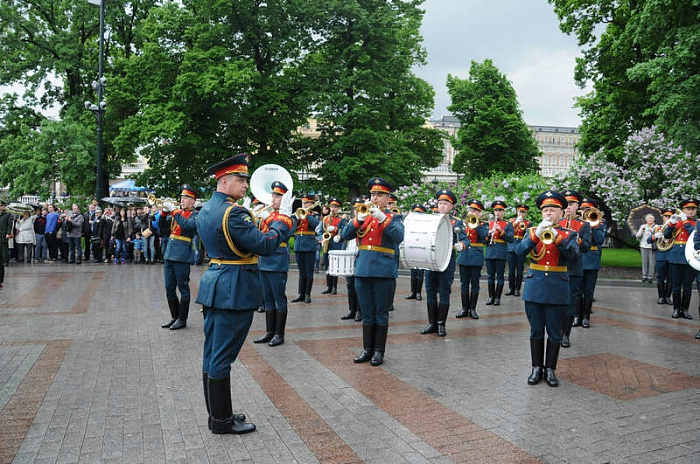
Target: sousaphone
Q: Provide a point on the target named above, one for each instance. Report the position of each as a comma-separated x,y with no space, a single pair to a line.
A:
263,177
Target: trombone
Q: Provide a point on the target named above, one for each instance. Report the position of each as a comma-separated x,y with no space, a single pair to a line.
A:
301,213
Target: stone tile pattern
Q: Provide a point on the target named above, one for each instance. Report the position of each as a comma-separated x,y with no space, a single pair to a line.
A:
623,378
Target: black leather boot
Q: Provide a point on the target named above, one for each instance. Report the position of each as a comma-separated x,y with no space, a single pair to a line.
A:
352,306
222,418
518,284
379,344
367,342
270,316
182,315
550,364
492,292
511,285
578,312
660,291
419,287
667,293
566,330
587,307
412,296
174,306
464,312
537,356
358,314
473,299
302,290
205,385
329,285
334,285
309,285
280,324
676,306
432,318
497,297
442,311
686,305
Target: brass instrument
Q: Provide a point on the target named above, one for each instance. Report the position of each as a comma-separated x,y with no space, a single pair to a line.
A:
363,208
666,244
396,210
326,238
301,213
19,208
547,236
472,221
592,216
522,225
167,203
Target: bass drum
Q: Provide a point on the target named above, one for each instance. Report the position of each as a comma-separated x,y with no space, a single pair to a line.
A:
427,242
692,256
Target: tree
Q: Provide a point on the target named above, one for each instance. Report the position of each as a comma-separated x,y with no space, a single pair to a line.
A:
641,57
493,136
370,107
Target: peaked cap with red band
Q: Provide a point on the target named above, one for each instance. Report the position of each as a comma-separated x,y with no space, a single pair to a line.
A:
573,196
475,204
522,207
333,201
278,188
447,195
690,203
588,203
551,198
498,204
236,165
379,185
188,191
307,197
418,208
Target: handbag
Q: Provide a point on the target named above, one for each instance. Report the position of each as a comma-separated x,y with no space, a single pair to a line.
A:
146,233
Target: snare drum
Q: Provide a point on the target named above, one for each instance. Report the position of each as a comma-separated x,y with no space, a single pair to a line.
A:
341,262
427,241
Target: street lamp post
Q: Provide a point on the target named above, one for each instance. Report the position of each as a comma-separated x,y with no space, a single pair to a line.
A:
100,107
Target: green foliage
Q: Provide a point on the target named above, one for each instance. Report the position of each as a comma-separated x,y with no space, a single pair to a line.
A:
512,188
642,59
493,136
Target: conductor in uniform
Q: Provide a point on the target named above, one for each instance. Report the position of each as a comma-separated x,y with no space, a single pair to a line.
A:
546,292
230,288
379,232
182,223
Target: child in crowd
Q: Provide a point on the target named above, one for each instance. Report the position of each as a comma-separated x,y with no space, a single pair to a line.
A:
138,248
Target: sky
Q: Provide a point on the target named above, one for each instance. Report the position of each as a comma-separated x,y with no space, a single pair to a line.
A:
523,40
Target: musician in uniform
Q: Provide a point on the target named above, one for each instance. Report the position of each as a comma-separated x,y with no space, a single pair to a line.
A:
441,282
332,225
178,257
696,246
6,225
230,288
663,277
273,272
546,292
682,274
354,311
471,259
591,261
571,221
305,248
417,275
500,233
379,233
516,264
392,207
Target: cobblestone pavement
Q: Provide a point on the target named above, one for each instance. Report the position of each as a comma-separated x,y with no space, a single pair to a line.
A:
88,375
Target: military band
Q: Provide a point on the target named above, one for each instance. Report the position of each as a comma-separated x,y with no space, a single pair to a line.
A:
417,275
682,274
591,260
500,234
516,263
354,311
471,259
332,225
305,247
663,274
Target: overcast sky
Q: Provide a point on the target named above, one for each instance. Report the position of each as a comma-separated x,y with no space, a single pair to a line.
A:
523,40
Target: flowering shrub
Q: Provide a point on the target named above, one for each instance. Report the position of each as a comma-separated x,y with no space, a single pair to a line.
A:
653,170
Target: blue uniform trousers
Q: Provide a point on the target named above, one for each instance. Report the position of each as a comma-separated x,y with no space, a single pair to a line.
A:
177,276
374,296
516,264
224,334
305,261
440,282
663,272
495,268
590,277
469,277
543,316
274,285
575,293
682,276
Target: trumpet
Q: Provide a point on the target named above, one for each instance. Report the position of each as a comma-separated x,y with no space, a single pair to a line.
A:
592,216
472,221
363,208
396,210
167,203
301,213
522,225
547,236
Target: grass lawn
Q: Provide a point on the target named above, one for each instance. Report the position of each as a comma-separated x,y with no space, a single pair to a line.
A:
621,257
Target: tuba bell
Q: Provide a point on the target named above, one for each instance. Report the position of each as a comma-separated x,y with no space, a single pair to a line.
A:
263,177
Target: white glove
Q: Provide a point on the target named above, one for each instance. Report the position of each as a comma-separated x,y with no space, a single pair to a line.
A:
684,217
167,207
246,202
674,219
336,239
330,228
377,214
658,236
543,225
459,246
264,214
286,204
361,217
